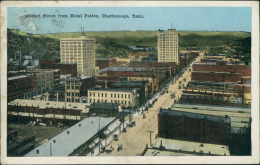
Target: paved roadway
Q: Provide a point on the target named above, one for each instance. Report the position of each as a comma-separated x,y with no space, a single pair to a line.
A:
134,140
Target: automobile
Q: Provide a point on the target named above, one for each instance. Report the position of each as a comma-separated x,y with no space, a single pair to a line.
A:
42,124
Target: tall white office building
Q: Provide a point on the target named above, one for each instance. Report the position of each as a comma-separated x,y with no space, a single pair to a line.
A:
81,51
168,45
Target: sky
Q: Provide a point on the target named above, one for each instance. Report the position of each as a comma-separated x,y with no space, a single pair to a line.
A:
180,18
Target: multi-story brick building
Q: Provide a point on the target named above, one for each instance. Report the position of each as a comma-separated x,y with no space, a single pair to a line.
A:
65,68
104,109
120,71
17,86
242,70
105,62
48,63
46,79
68,68
123,96
193,127
76,87
81,51
168,44
215,76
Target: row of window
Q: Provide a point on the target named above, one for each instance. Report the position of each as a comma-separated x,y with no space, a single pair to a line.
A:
73,100
72,87
72,94
112,101
105,95
70,42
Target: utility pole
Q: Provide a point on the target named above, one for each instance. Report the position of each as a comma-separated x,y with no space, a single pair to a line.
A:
150,137
50,149
99,129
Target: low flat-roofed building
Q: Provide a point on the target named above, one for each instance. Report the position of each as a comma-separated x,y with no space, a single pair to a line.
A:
65,143
123,96
58,112
171,147
222,56
58,94
239,116
104,109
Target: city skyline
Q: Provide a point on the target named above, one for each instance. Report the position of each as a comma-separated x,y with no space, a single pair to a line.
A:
180,18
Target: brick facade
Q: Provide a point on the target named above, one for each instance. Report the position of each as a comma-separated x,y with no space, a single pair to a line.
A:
192,129
217,77
105,62
242,70
18,85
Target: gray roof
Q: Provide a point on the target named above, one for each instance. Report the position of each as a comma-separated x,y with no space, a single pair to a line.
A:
128,83
66,63
121,69
33,62
195,115
66,143
17,77
141,69
212,83
28,57
214,55
104,106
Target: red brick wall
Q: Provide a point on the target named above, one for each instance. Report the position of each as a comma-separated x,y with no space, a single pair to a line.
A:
191,129
245,79
243,89
48,64
120,73
105,63
17,87
217,77
242,70
68,69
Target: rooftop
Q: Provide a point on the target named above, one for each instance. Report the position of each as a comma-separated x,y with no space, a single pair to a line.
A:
72,138
213,72
195,115
53,104
77,39
187,146
17,77
115,89
128,83
122,69
214,54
